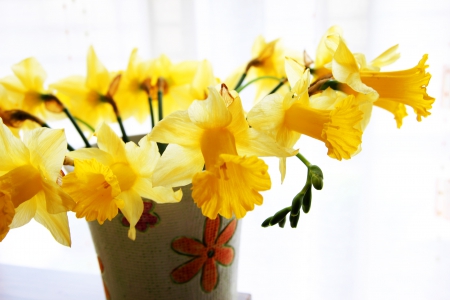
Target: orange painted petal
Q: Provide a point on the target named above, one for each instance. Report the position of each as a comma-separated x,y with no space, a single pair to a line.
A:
187,246
209,275
188,270
224,255
227,233
212,227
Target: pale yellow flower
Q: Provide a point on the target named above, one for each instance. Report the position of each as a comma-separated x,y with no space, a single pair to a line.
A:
214,133
334,120
86,97
28,174
391,90
115,176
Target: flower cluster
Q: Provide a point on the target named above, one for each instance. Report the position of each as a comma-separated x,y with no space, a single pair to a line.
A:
199,134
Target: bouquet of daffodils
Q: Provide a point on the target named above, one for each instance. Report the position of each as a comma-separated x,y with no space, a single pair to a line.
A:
199,135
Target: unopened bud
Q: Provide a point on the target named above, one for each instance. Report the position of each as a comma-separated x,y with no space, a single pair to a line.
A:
316,177
266,222
306,205
282,222
294,220
279,216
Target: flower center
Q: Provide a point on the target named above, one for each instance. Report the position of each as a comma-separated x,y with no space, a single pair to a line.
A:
307,120
125,175
21,183
215,142
211,253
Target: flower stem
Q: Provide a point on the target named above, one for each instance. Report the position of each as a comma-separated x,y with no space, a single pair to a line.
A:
122,129
256,79
303,159
160,108
278,86
241,80
85,124
75,124
70,148
152,114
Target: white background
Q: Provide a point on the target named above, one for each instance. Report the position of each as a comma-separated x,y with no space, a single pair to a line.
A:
380,228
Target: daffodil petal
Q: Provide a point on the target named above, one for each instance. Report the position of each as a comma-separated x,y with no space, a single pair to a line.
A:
294,70
57,201
31,74
176,128
210,113
57,224
25,212
177,166
98,77
13,84
14,153
132,210
387,57
268,114
158,194
88,153
144,157
260,144
6,214
48,148
108,141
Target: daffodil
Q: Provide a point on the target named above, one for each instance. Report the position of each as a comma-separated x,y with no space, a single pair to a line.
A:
26,90
115,176
28,176
395,89
87,97
197,89
333,120
325,51
214,133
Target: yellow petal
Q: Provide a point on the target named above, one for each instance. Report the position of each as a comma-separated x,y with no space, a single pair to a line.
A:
176,128
132,210
57,201
48,148
177,166
21,183
31,74
346,70
6,214
158,194
396,108
98,77
268,114
236,191
13,85
387,57
88,153
143,158
294,70
94,188
25,211
57,224
203,78
14,153
210,113
109,142
323,54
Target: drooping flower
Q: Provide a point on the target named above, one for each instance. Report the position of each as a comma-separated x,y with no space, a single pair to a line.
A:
214,133
395,89
27,92
28,175
207,255
115,176
87,97
333,120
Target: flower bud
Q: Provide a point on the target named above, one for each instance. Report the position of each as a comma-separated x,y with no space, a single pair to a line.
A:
316,177
266,222
306,205
279,216
294,220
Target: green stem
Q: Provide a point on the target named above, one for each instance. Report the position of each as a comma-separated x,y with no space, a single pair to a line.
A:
85,124
160,108
278,86
122,129
75,124
303,159
241,80
152,114
256,79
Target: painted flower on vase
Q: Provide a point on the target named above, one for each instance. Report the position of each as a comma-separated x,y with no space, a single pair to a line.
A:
207,254
148,219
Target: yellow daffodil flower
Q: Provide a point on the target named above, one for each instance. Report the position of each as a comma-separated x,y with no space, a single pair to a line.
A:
197,89
395,89
333,120
214,133
85,96
28,175
132,95
26,90
325,50
115,176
